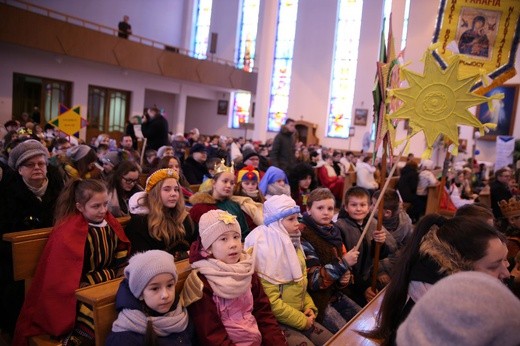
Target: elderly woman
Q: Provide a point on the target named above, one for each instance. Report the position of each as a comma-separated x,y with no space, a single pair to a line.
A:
28,197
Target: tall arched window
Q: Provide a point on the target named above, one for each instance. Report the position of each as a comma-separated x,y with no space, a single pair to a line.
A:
344,68
282,67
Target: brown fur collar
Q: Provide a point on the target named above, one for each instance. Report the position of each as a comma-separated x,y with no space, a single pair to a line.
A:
202,197
449,260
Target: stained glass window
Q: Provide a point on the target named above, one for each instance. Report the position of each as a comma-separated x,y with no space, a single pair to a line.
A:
344,68
202,24
405,24
241,109
282,67
248,30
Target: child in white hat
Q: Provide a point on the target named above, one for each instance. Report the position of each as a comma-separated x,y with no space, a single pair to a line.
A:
280,263
233,308
149,312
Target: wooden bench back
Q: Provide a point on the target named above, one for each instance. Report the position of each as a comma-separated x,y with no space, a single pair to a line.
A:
365,320
27,247
102,298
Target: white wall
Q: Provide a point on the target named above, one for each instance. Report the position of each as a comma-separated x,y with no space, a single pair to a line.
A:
159,20
224,22
202,114
84,73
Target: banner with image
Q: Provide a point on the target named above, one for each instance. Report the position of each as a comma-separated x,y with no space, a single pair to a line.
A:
485,33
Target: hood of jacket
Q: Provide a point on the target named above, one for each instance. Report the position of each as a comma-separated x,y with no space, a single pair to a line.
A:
450,261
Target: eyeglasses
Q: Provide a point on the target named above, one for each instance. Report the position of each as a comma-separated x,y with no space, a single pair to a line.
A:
32,165
130,181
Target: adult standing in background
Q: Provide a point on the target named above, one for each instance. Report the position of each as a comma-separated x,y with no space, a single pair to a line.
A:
155,129
499,190
125,29
282,152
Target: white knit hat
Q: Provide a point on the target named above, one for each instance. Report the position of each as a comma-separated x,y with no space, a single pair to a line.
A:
279,206
144,266
467,308
214,223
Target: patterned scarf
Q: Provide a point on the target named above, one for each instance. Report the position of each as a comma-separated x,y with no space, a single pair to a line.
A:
330,233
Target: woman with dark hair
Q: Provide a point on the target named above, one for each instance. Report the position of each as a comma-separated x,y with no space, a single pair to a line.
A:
122,184
302,181
439,247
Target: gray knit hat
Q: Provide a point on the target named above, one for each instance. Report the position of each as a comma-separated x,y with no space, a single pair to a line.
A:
214,223
112,157
144,266
26,150
467,308
78,152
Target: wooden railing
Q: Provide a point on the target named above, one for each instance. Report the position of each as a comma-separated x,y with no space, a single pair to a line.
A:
114,31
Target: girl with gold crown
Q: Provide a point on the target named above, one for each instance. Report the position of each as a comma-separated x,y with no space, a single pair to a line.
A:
218,194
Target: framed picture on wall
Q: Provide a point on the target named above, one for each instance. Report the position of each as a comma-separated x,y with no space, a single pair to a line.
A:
360,116
502,113
222,108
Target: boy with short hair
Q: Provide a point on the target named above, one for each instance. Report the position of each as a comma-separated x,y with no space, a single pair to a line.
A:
351,221
328,263
397,222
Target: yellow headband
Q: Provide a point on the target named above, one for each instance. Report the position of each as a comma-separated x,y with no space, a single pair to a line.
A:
159,175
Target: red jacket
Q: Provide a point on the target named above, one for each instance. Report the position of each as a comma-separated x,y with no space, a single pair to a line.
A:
50,304
210,330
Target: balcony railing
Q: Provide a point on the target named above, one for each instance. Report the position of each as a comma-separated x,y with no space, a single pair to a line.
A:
114,31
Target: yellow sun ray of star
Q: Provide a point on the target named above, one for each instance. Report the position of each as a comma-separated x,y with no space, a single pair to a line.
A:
437,101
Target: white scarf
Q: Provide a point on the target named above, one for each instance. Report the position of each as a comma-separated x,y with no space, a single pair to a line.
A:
37,191
276,260
136,321
227,280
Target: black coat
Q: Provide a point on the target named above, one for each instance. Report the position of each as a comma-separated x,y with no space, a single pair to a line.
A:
194,171
282,151
156,132
498,192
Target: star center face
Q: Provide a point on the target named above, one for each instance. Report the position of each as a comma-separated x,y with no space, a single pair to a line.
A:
437,102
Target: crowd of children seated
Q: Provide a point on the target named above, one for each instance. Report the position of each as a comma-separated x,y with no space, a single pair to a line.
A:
277,257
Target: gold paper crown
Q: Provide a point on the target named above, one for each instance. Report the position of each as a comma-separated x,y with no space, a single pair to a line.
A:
221,167
510,208
159,175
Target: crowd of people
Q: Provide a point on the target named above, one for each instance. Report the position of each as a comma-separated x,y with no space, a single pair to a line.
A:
270,231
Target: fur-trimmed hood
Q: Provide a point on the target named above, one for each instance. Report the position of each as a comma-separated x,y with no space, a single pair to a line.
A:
445,255
202,197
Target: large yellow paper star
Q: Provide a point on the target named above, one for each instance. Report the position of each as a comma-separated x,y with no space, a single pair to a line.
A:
437,101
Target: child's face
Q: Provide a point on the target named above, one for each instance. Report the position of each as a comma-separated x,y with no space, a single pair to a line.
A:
249,186
159,293
223,186
357,208
290,223
150,158
305,183
170,193
168,152
515,221
174,164
322,211
280,182
227,247
96,207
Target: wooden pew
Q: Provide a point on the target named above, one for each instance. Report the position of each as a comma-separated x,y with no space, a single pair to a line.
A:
432,203
194,188
364,320
27,246
102,298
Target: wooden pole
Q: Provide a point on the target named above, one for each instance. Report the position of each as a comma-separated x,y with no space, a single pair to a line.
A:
380,211
392,171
